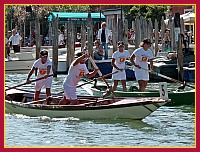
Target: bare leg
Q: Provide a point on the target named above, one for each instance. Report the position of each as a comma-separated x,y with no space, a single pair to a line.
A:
145,85
142,85
37,93
48,92
123,84
115,85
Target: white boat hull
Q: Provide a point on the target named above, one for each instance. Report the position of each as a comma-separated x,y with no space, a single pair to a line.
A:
137,112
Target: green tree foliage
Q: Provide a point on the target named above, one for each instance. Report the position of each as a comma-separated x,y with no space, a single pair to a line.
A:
147,11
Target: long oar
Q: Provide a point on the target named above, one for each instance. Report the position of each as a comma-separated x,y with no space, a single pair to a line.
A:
27,83
100,74
166,77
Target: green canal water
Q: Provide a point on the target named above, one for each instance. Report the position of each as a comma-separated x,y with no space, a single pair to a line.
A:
166,127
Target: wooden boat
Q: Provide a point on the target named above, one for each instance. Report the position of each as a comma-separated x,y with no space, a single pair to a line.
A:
89,108
178,97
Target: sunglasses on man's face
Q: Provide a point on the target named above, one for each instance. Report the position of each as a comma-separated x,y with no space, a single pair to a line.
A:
148,44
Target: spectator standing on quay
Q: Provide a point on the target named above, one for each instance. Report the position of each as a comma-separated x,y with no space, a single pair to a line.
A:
7,45
103,37
132,37
167,40
61,43
78,37
16,40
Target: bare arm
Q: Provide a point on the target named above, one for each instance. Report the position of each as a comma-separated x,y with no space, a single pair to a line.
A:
114,65
133,62
151,64
92,74
132,57
20,42
78,60
30,73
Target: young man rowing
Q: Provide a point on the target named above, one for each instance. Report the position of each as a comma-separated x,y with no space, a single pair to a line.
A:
76,71
44,66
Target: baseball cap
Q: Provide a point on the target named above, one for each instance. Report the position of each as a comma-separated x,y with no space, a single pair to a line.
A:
146,41
120,43
79,54
43,53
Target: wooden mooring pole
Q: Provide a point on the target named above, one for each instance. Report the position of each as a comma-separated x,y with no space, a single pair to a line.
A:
55,46
37,39
114,33
70,43
179,46
83,35
156,37
90,38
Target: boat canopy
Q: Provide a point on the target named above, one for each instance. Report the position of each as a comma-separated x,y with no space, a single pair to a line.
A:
187,18
65,16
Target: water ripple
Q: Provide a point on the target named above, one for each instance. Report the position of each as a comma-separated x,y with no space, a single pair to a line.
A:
168,126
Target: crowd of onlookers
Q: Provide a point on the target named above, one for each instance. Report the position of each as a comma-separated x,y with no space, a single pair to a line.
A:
102,38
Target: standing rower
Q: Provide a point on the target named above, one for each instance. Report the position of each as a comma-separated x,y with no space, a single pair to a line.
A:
44,66
139,59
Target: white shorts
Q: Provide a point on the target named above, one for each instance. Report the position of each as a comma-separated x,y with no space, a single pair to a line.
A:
121,75
141,74
70,92
43,83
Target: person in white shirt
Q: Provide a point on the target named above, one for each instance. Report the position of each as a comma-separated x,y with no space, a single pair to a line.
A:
44,66
78,37
16,40
7,46
61,43
103,37
76,71
139,59
118,62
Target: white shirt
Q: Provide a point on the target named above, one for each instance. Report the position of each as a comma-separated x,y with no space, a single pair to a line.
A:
60,39
142,56
120,58
42,68
107,33
15,39
75,73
